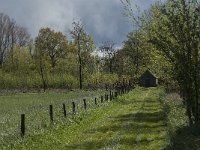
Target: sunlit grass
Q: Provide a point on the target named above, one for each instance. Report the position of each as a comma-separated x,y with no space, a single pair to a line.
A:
134,121
36,108
142,119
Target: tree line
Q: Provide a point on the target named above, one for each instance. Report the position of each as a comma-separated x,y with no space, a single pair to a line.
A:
51,60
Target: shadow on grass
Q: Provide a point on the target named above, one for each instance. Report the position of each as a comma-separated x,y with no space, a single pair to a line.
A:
145,117
144,124
186,138
134,126
103,143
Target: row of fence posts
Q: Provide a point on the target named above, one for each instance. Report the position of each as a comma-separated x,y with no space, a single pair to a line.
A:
112,95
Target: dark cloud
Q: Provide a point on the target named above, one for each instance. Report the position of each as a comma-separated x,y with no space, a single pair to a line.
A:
102,18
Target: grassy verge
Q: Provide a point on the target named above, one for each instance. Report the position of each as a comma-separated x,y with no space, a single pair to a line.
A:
181,136
134,121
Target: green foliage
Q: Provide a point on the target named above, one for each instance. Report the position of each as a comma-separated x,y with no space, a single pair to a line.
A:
21,59
174,31
85,46
99,80
62,81
12,81
181,136
138,55
52,44
170,32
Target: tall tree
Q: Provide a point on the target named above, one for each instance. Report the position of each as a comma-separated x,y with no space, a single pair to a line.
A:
180,42
138,50
41,65
53,44
85,46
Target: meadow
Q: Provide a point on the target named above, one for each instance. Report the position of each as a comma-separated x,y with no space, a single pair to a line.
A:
135,120
144,118
36,108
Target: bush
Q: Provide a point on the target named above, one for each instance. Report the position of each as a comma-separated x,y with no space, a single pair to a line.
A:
99,80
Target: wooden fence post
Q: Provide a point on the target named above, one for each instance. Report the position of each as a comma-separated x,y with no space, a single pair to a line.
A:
116,94
64,110
85,105
22,125
95,101
51,112
110,95
101,99
73,107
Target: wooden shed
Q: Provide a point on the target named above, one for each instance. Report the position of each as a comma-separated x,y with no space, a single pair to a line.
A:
147,79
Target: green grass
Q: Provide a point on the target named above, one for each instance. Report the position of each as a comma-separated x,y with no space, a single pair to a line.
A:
140,120
181,136
36,108
134,121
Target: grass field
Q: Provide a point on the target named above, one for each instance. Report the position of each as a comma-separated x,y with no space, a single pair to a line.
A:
36,108
140,120
134,121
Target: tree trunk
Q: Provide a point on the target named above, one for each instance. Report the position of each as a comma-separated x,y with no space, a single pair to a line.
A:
1,60
80,65
110,66
42,76
80,74
196,86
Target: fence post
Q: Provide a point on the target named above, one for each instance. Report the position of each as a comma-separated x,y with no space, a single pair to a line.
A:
51,112
110,95
101,99
123,87
116,94
64,110
95,101
73,107
85,105
22,125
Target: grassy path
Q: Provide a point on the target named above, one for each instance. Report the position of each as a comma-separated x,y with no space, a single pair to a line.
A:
135,121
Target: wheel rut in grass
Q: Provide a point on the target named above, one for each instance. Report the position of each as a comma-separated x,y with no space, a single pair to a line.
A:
136,121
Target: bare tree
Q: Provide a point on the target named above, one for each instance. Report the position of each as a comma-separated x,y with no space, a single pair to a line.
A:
10,35
5,23
22,35
109,51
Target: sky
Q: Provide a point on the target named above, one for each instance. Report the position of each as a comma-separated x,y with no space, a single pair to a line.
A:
103,19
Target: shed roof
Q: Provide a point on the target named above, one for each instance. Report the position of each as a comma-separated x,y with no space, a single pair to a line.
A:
148,72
